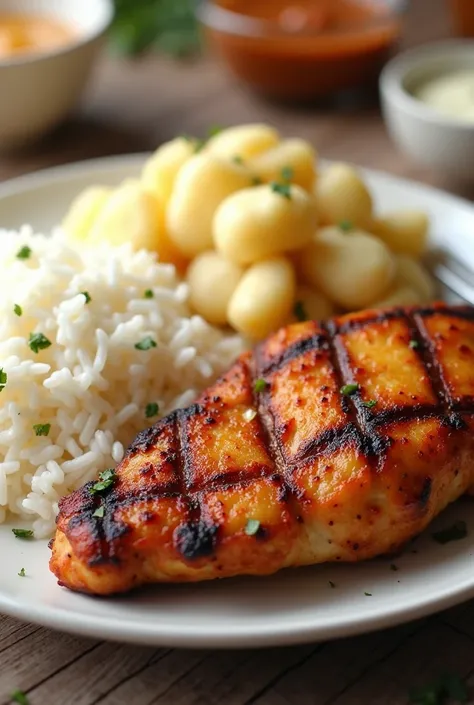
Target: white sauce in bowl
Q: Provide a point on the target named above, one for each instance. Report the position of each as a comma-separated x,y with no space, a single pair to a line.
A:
450,93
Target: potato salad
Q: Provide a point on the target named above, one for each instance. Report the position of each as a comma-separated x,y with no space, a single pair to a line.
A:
262,235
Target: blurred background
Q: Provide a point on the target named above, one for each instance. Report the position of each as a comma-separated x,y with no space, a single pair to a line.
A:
309,67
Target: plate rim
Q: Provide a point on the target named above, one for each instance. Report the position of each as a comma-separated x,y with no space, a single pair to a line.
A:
273,633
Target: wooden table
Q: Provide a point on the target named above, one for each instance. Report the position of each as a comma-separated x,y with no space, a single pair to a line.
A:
133,107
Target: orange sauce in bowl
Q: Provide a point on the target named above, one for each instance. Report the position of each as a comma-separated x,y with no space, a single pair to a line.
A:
305,48
25,33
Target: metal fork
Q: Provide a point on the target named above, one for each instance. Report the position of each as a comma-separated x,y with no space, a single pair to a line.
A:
452,274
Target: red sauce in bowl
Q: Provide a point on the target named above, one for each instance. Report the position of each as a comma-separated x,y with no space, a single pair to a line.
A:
303,48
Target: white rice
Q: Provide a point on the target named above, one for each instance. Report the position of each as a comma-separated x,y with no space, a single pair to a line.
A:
91,385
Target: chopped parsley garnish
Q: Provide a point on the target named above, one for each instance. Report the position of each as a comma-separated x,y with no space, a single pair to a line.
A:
368,594
22,573
237,159
393,567
448,686
300,312
87,295
3,379
256,181
42,429
287,173
331,584
214,130
283,189
99,512
106,480
370,403
414,344
452,533
19,697
346,226
249,414
252,526
146,344
24,252
17,309
23,533
349,389
151,410
148,294
260,385
38,342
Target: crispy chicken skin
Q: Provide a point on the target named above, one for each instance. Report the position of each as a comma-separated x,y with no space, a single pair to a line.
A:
329,476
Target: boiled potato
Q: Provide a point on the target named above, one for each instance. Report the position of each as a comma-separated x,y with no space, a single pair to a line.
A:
400,295
161,169
243,141
257,223
130,214
311,305
212,280
353,270
411,273
263,299
292,160
201,186
405,232
342,196
84,210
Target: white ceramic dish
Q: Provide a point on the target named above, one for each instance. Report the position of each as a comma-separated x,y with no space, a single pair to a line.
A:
38,90
293,606
428,136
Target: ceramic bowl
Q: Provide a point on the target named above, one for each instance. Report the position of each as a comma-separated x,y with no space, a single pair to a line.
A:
37,90
428,136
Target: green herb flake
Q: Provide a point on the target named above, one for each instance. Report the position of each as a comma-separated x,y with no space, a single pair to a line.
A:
214,130
256,181
282,189
106,480
22,573
346,226
260,385
42,429
370,403
23,533
146,344
299,311
3,379
393,567
38,342
252,527
448,686
99,512
199,144
17,310
237,159
19,697
87,296
287,173
151,410
24,252
148,294
452,533
368,594
414,344
331,584
349,389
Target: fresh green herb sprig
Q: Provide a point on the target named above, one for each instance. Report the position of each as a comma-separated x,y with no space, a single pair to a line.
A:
106,479
3,379
167,26
23,533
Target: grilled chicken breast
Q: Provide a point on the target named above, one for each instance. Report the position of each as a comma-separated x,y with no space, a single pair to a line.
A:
330,442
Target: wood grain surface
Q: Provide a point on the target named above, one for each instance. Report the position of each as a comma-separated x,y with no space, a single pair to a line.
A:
130,107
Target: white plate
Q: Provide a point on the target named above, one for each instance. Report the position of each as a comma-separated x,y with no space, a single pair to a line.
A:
294,606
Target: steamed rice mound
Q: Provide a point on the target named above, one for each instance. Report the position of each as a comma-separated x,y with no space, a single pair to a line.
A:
92,389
